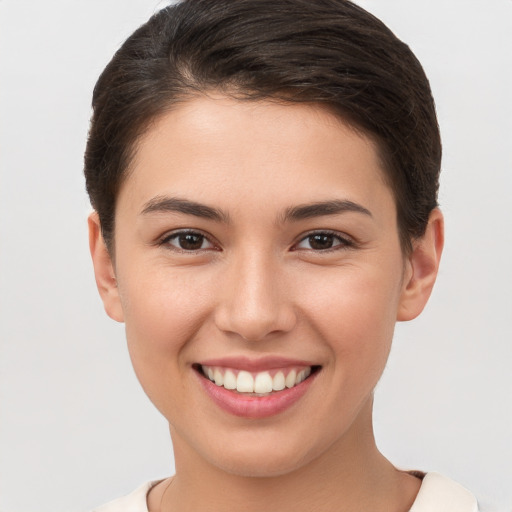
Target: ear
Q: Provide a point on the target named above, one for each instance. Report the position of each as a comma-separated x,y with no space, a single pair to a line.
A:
104,270
421,270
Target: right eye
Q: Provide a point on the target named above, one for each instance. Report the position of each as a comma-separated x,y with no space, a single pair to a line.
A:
188,241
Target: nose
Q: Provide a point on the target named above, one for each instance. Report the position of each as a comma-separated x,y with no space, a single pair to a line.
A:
255,301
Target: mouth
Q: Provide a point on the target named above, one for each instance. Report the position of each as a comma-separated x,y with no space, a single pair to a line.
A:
245,392
261,383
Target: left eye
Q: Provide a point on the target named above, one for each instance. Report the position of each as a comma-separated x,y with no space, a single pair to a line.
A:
188,241
322,242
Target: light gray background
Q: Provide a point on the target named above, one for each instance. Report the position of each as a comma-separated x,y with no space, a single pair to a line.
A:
75,428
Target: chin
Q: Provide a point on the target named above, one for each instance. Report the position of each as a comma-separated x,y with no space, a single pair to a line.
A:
251,465
261,456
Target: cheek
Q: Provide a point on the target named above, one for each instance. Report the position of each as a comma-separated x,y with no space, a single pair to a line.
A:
355,313
162,312
162,308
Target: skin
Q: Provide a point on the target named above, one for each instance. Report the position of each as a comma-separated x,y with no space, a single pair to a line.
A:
258,286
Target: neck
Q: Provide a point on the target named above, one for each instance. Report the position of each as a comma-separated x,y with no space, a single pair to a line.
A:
351,475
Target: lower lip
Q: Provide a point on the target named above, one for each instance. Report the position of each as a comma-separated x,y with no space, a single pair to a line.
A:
247,406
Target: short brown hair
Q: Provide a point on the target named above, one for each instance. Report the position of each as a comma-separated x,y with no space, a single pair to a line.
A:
327,52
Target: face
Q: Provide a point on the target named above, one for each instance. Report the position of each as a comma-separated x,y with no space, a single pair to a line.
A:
259,273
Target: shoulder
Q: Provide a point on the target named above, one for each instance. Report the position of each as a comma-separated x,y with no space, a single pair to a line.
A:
133,502
441,494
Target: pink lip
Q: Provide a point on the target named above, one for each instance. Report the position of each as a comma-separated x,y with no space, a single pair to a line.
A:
247,406
255,365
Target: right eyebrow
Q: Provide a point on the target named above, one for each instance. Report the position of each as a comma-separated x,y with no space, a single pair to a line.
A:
162,204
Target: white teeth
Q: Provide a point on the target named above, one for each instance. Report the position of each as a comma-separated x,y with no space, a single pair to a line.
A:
260,383
278,382
303,375
218,377
229,380
263,383
290,379
244,382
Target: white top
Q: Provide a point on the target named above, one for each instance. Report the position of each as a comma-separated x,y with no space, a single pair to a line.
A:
437,494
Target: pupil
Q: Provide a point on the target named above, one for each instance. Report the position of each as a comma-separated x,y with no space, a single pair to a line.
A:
190,241
321,241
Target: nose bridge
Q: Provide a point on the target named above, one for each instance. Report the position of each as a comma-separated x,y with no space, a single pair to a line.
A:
254,302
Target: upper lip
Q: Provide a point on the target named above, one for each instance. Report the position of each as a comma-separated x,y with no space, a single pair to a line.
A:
255,364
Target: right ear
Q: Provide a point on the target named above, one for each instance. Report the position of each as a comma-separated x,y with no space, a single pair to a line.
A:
104,270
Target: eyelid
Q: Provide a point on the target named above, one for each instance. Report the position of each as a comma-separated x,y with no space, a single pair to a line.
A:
347,242
164,240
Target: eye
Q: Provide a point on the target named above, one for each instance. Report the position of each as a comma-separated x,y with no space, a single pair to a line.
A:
188,241
323,241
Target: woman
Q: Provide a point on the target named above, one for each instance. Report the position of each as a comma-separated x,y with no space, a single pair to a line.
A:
264,176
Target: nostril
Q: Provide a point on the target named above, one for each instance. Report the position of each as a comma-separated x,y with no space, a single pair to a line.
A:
256,324
253,303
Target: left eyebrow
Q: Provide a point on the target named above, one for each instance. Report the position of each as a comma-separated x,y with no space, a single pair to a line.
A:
333,207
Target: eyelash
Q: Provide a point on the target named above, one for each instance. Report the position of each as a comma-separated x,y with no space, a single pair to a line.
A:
343,241
165,241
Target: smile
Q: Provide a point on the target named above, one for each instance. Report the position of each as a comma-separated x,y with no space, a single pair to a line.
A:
259,383
253,391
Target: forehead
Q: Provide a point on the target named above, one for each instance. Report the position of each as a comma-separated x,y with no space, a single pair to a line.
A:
225,148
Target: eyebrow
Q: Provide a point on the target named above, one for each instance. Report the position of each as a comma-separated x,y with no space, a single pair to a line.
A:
162,204
319,209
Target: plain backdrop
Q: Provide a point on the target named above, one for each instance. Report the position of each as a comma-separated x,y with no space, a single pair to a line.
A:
75,429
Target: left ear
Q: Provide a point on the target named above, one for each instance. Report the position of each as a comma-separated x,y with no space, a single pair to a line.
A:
421,268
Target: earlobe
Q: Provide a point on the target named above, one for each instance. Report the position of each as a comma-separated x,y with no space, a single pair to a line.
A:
423,265
104,270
